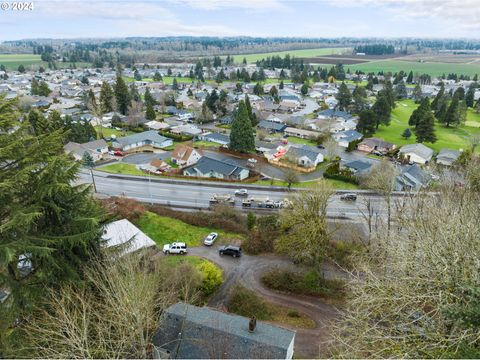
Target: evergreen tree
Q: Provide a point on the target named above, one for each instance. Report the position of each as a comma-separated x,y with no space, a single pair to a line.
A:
87,160
417,94
122,95
407,133
150,112
211,101
410,77
401,90
149,98
244,61
452,116
106,98
418,113
157,76
49,224
367,122
425,130
382,110
175,84
442,112
436,102
389,94
239,88
258,89
470,96
460,93
242,138
359,99
21,69
344,97
134,94
304,89
281,86
251,115
137,76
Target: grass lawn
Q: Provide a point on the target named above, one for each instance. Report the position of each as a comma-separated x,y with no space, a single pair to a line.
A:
121,168
164,230
297,140
108,132
336,184
202,143
452,137
251,58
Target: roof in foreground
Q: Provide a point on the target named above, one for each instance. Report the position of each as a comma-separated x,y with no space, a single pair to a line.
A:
124,233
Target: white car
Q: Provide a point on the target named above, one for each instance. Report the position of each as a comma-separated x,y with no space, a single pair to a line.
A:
175,248
241,192
252,161
210,239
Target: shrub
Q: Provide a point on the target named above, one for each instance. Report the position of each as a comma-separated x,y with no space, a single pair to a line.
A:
176,137
342,252
307,283
251,220
124,208
261,239
293,314
334,172
211,277
245,302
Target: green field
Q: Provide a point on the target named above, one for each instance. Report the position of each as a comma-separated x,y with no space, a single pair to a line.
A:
336,184
432,68
12,61
164,230
452,137
251,58
108,132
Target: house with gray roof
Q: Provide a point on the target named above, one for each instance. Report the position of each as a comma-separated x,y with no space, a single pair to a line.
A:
147,140
344,138
447,156
218,138
96,149
212,168
416,153
191,332
358,167
412,178
305,156
271,126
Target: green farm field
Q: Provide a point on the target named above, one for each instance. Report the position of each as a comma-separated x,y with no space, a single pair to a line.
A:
451,137
432,68
13,61
251,58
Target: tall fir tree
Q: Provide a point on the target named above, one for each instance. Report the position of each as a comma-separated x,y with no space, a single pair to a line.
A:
470,96
106,98
382,110
436,102
251,115
452,116
367,122
122,95
242,138
50,226
425,130
344,97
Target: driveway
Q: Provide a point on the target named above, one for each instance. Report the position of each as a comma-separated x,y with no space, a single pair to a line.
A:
145,158
247,270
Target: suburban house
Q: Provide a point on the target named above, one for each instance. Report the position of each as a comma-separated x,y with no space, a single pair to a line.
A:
191,332
156,166
375,144
157,125
96,149
304,134
147,140
122,235
344,138
447,157
186,129
218,138
186,155
358,167
271,126
417,153
305,156
411,178
213,168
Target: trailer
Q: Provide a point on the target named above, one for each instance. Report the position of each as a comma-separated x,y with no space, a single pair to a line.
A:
259,202
222,199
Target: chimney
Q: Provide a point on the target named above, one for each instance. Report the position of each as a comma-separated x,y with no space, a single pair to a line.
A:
252,324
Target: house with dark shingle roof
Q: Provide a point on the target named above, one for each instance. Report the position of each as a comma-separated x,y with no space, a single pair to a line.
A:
191,332
218,138
344,138
271,126
447,156
96,149
412,178
212,168
416,153
136,142
358,167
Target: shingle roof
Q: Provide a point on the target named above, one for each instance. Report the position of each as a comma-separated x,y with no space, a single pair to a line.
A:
448,154
150,135
418,149
207,333
271,125
207,164
217,137
358,165
301,151
124,233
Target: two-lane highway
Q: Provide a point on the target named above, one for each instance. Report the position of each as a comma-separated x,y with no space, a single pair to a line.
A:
182,193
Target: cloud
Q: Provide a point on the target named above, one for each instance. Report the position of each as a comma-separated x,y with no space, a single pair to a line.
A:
255,5
462,13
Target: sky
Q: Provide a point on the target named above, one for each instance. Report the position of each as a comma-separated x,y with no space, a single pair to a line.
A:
263,18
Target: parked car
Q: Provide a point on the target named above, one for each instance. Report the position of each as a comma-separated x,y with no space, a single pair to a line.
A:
241,192
320,147
210,239
175,248
252,161
119,153
349,197
231,250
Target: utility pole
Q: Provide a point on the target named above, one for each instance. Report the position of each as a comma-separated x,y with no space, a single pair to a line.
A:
93,180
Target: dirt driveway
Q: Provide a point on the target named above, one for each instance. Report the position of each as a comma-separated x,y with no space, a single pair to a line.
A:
247,270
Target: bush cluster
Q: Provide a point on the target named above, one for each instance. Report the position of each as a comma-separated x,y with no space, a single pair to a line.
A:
245,302
334,172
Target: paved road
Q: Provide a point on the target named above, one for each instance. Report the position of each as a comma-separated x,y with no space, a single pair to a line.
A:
248,270
186,194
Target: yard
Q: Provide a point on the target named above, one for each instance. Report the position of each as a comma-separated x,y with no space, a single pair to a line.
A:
108,132
452,137
164,230
122,168
13,61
